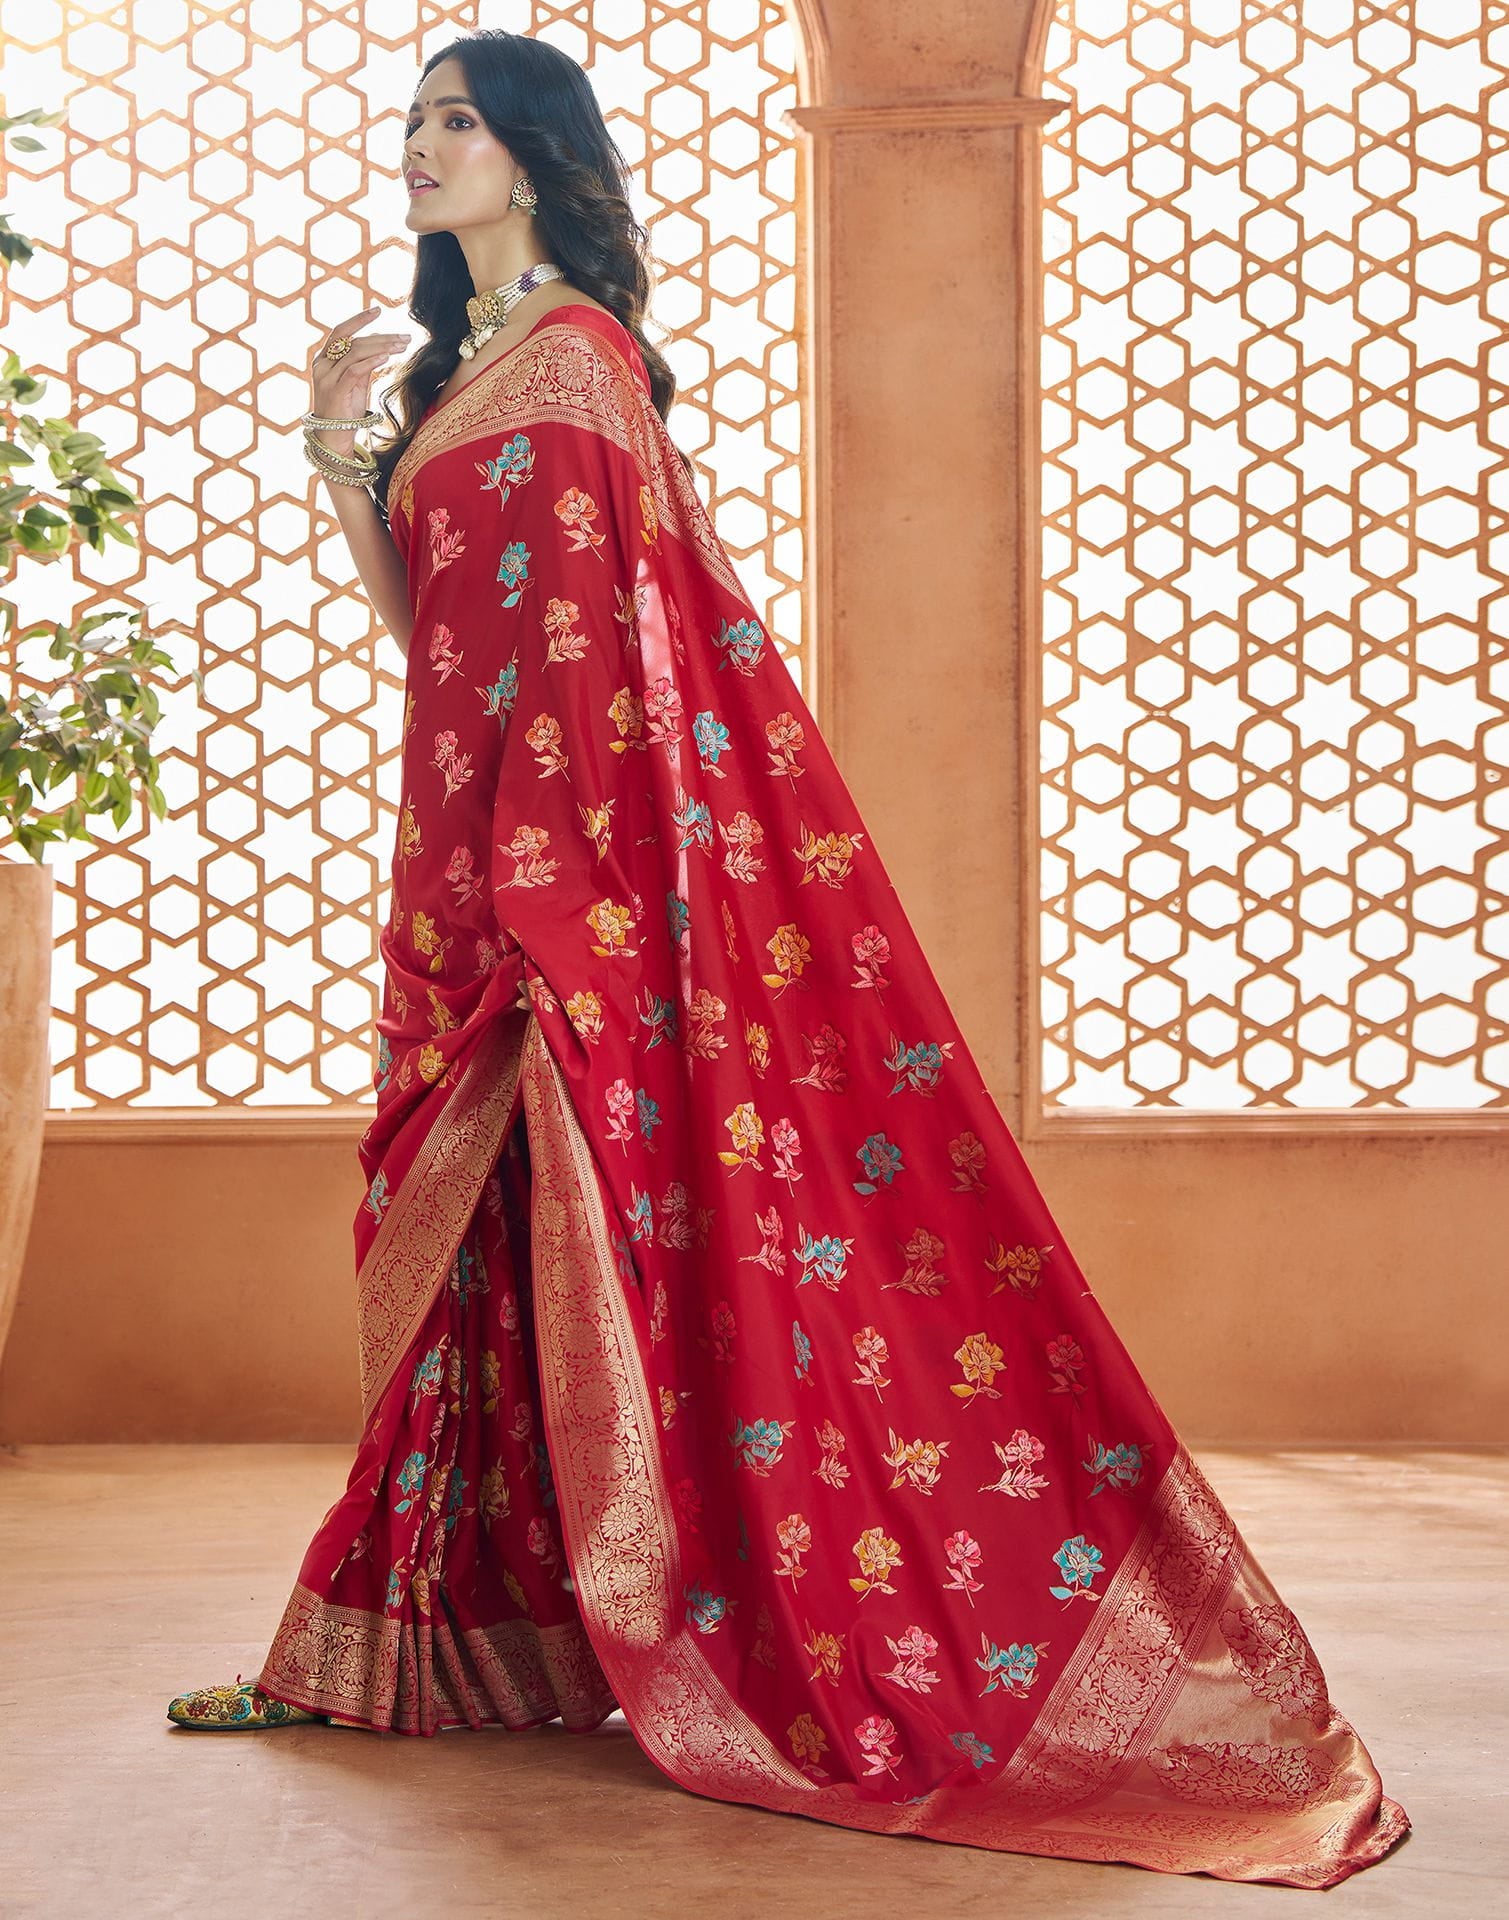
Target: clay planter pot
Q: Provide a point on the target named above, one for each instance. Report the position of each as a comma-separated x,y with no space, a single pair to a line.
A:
25,1007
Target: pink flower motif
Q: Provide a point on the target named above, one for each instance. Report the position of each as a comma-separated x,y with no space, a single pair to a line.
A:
443,656
445,546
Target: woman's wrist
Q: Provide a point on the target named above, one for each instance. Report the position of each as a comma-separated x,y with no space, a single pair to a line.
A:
348,487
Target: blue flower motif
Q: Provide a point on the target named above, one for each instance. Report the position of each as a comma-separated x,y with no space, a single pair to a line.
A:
974,1746
881,1159
742,644
823,1258
803,1345
513,570
1079,1563
467,1277
504,691
1013,1667
711,737
410,1480
920,1067
427,1374
696,823
378,1196
623,1260
1117,1467
758,1443
649,1114
512,467
678,916
707,1609
659,1017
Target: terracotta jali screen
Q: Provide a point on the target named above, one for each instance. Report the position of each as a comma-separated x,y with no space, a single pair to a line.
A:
224,188
1272,807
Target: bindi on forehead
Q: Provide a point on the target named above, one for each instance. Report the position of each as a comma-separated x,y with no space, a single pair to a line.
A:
445,100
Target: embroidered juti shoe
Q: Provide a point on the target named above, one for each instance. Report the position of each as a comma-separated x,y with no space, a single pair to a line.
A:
239,1708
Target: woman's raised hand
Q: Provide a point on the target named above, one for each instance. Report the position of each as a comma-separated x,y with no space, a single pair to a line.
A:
340,387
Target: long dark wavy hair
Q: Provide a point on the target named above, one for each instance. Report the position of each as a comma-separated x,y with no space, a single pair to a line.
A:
540,104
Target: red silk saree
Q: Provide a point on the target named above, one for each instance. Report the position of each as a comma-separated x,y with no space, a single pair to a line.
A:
720,1359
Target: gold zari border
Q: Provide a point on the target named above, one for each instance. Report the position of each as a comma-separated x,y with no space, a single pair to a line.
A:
417,1676
425,1220
615,1508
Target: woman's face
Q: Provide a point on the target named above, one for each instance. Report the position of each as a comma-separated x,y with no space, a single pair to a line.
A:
447,139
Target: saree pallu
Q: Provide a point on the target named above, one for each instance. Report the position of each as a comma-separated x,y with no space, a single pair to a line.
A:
711,1322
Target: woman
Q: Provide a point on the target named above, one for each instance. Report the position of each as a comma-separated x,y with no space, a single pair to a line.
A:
721,1362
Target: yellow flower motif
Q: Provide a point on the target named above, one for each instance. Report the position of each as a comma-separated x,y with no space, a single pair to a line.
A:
917,1465
877,1556
981,1360
1022,1266
757,1046
432,1064
585,1012
626,711
628,610
650,531
748,1131
791,950
493,1497
611,924
827,1649
808,1743
829,859
425,935
441,1017
410,841
597,824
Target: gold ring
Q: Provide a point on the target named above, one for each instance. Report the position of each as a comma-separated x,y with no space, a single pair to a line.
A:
337,349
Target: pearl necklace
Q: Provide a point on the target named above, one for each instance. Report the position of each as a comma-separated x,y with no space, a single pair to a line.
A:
489,311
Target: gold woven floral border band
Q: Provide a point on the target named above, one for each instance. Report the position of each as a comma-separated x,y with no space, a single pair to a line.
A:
615,1507
411,1254
417,1676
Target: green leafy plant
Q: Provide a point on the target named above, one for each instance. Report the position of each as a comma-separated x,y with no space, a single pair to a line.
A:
95,723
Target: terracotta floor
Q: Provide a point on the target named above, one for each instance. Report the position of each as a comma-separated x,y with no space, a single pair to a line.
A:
134,1572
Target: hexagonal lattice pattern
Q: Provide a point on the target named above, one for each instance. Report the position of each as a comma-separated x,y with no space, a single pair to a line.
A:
227,189
1274,669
